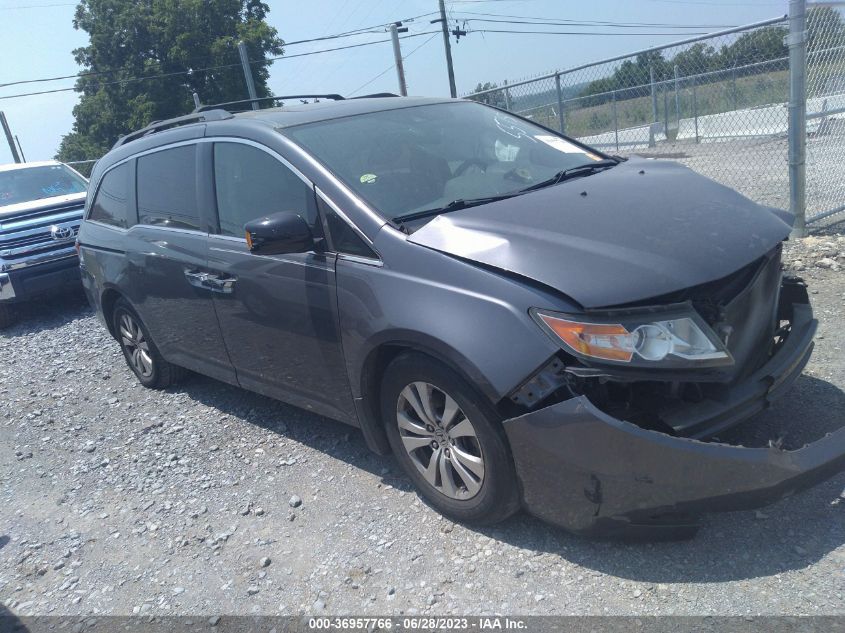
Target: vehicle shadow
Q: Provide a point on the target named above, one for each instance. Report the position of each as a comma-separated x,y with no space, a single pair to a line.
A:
790,535
48,313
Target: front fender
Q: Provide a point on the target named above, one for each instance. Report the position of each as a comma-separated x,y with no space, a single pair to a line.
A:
474,319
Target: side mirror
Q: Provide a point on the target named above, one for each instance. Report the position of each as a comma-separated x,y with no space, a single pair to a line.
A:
280,233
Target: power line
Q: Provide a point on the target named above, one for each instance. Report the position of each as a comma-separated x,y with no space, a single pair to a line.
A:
604,33
338,67
363,29
185,72
621,25
97,73
392,66
339,48
595,22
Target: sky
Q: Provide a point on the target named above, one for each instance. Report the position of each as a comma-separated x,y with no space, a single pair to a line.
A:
39,37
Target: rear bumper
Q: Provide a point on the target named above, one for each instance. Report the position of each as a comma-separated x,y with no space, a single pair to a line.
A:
592,473
53,274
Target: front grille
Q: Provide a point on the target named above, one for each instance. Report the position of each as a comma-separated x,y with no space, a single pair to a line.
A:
749,320
39,231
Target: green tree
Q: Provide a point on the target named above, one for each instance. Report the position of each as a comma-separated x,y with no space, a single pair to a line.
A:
496,98
824,28
695,60
760,45
161,37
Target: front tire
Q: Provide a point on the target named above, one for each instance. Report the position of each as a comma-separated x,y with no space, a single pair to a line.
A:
139,350
449,441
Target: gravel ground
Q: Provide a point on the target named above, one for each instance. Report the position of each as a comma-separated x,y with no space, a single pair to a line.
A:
206,499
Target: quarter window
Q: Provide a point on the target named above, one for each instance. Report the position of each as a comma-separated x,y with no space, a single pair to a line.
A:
167,191
344,239
111,205
250,183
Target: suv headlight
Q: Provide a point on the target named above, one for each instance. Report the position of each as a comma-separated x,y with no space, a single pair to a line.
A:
645,338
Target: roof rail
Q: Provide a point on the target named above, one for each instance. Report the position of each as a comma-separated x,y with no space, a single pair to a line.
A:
225,106
376,95
158,126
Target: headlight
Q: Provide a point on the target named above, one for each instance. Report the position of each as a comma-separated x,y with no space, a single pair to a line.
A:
676,338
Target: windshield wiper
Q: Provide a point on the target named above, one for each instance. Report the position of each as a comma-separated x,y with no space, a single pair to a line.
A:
466,203
574,172
455,205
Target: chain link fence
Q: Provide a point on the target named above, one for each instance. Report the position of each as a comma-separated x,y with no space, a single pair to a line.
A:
84,167
825,116
718,104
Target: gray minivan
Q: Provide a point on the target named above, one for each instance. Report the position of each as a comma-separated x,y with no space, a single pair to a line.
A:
522,320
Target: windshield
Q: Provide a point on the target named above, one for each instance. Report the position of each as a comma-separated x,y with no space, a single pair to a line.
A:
414,159
35,183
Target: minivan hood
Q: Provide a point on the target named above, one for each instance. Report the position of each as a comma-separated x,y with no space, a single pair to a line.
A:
642,229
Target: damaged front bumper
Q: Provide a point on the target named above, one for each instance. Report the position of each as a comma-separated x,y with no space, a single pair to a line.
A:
592,473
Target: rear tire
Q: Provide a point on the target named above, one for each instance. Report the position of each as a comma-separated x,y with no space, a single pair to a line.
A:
449,440
8,315
139,350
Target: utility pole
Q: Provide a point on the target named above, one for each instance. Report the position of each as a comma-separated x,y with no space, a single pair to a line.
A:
250,83
444,23
397,56
9,138
20,148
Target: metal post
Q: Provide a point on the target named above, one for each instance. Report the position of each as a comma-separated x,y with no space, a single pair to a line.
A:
507,96
445,24
615,121
677,97
797,41
733,87
653,93
695,106
665,109
9,138
196,97
397,57
20,148
250,82
561,121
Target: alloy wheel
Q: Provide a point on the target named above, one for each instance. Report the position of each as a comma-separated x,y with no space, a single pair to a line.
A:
440,440
135,345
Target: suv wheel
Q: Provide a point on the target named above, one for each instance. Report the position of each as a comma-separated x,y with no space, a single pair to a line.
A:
448,441
8,316
140,351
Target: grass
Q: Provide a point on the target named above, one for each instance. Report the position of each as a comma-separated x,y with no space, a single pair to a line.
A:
711,98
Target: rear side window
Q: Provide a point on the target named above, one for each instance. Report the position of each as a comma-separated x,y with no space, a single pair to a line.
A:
167,191
111,205
250,183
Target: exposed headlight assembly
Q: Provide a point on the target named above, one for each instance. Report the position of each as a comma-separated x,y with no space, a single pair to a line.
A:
649,338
